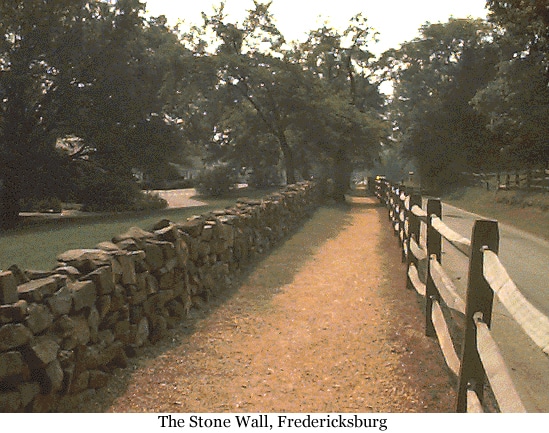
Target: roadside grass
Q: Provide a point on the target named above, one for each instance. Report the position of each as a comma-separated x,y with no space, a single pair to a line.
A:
36,246
525,211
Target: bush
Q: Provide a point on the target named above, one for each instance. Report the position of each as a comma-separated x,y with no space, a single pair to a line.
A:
150,201
47,204
169,184
265,177
217,181
104,192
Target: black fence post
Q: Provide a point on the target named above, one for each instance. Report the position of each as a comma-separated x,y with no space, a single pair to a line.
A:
480,298
434,252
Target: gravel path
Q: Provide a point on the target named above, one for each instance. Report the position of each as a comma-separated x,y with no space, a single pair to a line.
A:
178,198
322,324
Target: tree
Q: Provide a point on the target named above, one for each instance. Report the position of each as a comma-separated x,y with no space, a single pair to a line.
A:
38,45
278,110
435,77
517,100
89,74
126,69
345,62
258,87
350,126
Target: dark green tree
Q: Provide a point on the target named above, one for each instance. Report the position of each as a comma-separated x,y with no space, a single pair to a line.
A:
127,69
38,49
258,89
277,110
344,61
435,76
517,100
350,125
93,77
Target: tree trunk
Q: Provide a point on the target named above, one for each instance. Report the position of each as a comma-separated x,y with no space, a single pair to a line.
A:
289,162
9,203
342,176
352,82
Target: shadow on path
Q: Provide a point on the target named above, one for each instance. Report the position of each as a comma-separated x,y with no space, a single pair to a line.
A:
321,324
291,255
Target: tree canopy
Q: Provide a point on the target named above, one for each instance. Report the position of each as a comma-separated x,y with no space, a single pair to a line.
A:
517,100
81,81
473,94
92,91
295,109
435,77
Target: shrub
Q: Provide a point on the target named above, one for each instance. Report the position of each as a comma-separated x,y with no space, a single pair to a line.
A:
519,198
150,201
105,192
264,177
45,204
217,181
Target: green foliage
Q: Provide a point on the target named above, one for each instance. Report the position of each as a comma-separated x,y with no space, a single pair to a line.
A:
92,70
517,100
45,204
94,83
217,181
474,96
344,62
265,177
523,199
525,24
37,51
296,108
149,201
104,192
122,92
435,77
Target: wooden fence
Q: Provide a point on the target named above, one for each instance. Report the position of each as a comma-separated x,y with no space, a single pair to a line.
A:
462,327
533,180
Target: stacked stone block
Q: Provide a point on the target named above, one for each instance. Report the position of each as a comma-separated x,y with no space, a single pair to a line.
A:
62,332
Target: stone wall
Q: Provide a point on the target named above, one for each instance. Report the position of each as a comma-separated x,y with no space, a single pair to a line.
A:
63,332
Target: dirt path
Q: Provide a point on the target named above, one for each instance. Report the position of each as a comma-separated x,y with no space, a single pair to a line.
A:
323,324
178,198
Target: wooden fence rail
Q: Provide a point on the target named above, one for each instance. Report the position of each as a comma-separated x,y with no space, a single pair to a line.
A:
518,179
470,352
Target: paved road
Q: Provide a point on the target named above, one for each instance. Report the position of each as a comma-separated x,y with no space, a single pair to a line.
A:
525,256
526,259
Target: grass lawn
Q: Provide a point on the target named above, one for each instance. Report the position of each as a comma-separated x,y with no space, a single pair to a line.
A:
526,211
36,247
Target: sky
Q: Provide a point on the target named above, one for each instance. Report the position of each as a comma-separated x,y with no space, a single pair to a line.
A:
397,21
